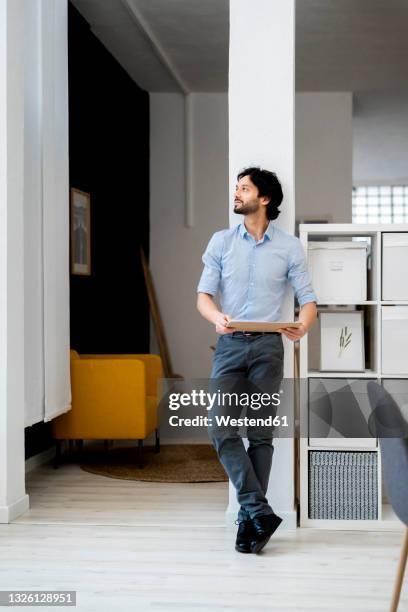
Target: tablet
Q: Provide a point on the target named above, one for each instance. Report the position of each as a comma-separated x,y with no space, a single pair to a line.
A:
262,325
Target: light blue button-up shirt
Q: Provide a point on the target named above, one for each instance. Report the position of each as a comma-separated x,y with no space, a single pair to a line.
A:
252,276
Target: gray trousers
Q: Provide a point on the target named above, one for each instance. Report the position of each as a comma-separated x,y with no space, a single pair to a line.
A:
246,365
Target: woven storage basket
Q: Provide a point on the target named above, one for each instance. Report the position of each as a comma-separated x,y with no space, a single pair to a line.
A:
343,485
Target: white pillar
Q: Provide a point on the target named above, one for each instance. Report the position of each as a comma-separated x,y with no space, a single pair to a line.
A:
261,132
13,499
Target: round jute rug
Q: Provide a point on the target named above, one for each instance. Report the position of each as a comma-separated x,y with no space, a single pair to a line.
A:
174,463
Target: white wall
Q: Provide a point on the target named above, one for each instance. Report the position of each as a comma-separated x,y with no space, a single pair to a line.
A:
344,139
175,251
380,137
324,149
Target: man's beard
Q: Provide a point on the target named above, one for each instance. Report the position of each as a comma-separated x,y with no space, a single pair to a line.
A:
246,209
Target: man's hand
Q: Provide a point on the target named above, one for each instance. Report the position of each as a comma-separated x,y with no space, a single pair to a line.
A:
307,317
293,333
220,322
209,311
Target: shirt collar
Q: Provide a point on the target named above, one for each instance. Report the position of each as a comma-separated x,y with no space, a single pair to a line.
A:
268,234
269,230
242,230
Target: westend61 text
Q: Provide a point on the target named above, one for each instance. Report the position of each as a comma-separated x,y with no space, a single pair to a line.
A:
227,421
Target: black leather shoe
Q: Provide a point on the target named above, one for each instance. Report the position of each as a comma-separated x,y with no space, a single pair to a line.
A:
262,528
245,535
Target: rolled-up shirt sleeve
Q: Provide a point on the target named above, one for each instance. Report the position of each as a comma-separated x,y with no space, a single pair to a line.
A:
298,275
211,275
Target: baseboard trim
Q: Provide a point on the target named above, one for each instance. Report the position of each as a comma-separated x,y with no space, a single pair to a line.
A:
39,459
11,512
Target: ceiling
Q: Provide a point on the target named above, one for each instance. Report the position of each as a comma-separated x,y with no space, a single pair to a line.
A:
182,45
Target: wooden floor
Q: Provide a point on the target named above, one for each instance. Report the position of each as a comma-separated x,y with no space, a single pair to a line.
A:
133,546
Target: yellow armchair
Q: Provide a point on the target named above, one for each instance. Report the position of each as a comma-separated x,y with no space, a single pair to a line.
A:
113,397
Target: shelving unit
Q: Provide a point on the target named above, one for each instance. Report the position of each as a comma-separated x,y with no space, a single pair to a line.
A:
372,307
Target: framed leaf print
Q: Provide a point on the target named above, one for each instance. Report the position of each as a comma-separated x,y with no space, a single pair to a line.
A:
342,341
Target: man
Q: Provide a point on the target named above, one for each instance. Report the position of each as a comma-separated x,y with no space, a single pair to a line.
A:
250,266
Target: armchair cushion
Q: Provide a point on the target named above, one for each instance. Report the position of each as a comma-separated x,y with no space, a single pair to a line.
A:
153,367
110,398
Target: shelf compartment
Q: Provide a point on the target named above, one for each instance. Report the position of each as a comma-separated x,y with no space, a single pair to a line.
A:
341,258
343,485
394,259
339,413
394,339
397,387
370,331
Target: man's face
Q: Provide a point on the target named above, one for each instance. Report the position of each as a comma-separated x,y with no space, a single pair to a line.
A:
246,199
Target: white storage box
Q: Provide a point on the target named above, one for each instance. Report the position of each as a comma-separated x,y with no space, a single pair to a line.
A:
338,271
394,339
395,266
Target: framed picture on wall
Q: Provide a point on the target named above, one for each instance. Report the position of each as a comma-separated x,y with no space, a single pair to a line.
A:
342,341
80,232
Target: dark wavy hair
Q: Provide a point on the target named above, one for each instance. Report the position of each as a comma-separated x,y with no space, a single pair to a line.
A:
268,186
